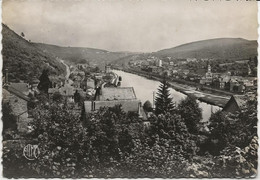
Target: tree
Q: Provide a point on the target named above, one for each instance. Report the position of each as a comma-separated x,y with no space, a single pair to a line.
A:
9,119
191,113
57,97
234,129
148,106
163,101
45,82
61,139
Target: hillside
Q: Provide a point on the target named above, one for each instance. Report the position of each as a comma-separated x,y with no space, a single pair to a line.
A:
218,49
24,60
222,48
74,55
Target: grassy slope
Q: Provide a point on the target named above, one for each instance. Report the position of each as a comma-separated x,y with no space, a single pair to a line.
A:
74,55
24,60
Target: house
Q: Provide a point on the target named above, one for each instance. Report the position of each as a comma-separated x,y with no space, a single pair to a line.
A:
167,72
33,86
109,97
22,87
207,79
57,81
107,69
226,77
153,69
186,71
68,92
221,83
191,59
87,83
250,81
236,103
82,66
51,91
16,95
237,86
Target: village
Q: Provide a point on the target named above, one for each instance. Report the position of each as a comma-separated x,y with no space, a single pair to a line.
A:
200,73
86,92
87,89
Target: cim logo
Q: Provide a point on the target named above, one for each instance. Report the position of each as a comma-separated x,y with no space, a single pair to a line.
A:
31,152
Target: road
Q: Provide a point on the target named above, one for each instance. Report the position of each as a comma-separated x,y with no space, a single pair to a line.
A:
69,81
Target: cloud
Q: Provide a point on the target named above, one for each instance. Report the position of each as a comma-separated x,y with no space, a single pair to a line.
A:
134,25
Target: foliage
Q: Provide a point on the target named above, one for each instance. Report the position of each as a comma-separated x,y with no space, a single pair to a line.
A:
113,143
57,97
237,162
9,120
61,140
45,82
148,106
163,101
15,165
234,129
23,60
191,113
156,160
172,126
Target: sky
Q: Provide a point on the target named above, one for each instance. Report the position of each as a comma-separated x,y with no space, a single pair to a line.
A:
130,25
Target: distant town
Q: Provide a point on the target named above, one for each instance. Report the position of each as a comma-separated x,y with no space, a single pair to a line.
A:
238,76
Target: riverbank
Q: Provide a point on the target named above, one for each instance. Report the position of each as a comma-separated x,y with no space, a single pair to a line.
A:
214,98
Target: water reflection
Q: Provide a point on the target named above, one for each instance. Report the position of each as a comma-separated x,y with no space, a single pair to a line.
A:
144,89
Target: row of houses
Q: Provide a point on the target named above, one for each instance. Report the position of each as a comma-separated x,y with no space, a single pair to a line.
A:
226,81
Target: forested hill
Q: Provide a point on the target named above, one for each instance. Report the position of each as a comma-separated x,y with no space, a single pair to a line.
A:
221,48
75,55
216,49
24,60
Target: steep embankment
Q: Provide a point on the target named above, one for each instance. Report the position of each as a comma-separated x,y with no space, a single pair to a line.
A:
25,61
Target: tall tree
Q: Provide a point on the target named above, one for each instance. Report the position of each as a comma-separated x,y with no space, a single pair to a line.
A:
191,113
163,101
45,82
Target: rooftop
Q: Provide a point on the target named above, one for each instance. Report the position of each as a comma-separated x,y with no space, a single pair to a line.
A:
119,93
241,100
67,90
16,92
21,87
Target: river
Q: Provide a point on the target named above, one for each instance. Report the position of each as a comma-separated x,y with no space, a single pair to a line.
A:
145,88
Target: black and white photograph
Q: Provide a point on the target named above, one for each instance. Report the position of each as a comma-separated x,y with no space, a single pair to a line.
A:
129,89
